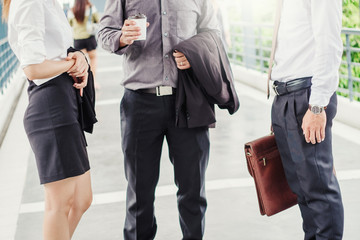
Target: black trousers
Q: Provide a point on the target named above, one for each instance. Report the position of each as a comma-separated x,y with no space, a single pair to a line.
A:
309,168
145,120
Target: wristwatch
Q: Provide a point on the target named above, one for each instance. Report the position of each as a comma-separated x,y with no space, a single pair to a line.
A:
315,109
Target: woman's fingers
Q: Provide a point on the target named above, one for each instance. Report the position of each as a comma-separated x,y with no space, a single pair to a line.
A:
80,66
81,83
79,72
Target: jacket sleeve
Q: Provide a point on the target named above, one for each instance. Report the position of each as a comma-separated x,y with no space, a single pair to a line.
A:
110,26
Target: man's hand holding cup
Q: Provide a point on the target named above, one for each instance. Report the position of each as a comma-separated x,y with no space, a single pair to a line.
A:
134,29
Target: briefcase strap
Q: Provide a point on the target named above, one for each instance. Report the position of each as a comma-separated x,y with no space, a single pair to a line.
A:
274,43
248,161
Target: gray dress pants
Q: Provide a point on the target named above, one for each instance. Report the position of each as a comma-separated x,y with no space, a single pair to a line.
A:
309,168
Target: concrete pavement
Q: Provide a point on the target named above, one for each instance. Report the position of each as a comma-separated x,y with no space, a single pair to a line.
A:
232,204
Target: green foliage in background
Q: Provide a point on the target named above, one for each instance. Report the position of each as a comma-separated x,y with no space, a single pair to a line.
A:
351,19
351,15
241,52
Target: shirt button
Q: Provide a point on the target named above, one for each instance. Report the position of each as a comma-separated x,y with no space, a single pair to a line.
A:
164,12
166,78
166,34
166,56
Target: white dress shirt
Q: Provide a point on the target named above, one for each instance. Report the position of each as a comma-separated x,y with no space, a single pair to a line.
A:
309,44
38,30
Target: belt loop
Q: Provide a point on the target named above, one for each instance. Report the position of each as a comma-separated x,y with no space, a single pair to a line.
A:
157,90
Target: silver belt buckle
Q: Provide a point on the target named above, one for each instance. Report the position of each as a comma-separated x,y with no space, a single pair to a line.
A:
164,90
275,89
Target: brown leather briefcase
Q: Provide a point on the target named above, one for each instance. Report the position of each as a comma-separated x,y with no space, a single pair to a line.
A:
265,166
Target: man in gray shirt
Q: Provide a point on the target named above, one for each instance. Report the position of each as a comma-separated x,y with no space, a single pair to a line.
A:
148,109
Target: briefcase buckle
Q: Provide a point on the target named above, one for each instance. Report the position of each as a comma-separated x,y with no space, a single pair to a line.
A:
164,90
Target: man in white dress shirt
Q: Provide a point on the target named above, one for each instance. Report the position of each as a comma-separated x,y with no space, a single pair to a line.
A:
305,74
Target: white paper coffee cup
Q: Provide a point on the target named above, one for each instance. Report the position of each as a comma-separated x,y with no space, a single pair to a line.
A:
140,20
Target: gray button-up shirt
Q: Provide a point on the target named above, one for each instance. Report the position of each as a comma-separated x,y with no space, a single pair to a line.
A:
150,63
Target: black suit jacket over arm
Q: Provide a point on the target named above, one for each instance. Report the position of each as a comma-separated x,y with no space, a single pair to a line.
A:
86,103
209,81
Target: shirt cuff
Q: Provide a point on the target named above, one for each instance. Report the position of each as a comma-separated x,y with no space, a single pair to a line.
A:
117,49
319,99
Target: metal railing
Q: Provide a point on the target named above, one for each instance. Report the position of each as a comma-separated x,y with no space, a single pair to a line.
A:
251,48
351,70
8,64
250,45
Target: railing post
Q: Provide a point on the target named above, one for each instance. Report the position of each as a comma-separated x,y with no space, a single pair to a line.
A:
348,60
233,46
7,65
2,62
261,51
248,35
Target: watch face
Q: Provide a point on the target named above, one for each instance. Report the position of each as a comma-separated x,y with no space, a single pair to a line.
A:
316,109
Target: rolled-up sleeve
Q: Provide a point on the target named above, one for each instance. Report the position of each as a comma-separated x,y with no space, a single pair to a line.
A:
30,25
326,24
110,26
207,21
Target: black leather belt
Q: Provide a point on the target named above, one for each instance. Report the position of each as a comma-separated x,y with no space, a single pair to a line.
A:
282,88
159,91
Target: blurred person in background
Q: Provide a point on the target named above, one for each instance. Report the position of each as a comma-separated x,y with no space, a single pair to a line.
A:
40,36
83,18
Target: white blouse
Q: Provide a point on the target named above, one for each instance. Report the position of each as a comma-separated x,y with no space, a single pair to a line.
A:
38,30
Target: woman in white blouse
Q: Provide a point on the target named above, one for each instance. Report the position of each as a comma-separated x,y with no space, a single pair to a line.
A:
39,34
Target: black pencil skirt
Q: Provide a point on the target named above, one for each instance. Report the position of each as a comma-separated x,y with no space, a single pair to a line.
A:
88,43
52,126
